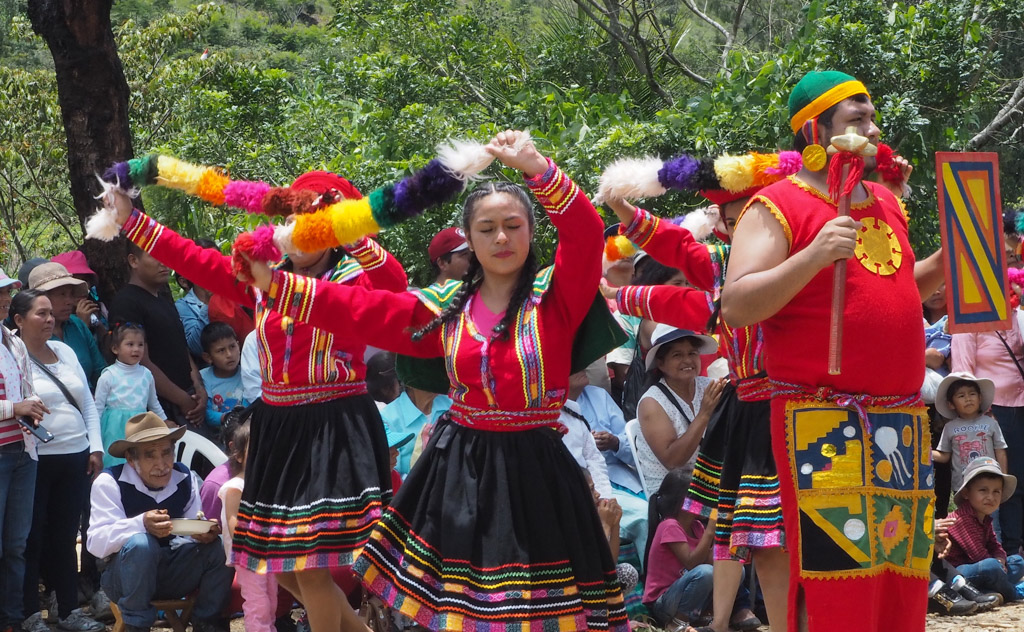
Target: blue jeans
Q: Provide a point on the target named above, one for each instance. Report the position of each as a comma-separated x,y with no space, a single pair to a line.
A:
17,491
143,571
1011,512
687,596
988,575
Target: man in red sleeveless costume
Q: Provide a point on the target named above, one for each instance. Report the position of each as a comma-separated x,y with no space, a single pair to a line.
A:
851,449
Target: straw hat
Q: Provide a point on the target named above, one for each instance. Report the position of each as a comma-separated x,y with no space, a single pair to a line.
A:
664,334
985,385
143,428
986,465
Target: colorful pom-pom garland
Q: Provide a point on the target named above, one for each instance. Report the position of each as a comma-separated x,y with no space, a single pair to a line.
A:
348,221
731,175
720,179
339,222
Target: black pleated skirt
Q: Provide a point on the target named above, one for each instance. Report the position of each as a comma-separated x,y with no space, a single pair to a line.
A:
316,480
492,529
735,473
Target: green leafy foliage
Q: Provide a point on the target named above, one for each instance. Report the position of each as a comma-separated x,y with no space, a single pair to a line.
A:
368,88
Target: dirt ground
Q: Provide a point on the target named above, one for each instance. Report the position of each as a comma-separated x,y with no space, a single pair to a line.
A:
1008,617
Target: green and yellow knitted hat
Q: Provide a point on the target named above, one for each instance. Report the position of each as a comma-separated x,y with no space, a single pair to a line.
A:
817,92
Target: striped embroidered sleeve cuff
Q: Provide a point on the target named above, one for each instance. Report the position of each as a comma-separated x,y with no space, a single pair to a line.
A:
641,229
368,253
142,230
634,300
553,189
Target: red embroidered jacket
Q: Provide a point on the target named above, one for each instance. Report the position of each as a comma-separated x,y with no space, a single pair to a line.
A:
299,363
704,266
495,384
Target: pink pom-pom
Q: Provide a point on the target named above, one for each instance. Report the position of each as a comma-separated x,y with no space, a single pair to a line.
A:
789,163
263,247
1016,275
245,195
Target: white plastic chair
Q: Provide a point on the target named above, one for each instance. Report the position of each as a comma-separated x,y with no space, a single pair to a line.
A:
632,430
193,442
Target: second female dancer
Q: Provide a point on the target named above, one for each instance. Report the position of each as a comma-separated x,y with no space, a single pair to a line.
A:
317,448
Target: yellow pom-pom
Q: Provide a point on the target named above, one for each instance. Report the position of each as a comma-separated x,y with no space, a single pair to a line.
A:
211,186
735,173
618,247
353,220
761,163
313,232
178,174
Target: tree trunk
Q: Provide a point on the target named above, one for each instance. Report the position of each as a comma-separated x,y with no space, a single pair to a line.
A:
91,87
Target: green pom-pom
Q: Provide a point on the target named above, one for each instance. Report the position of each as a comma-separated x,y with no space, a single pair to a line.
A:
382,206
142,171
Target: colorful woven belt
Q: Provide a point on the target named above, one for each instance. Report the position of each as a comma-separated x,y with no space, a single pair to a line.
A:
858,403
505,420
297,394
754,389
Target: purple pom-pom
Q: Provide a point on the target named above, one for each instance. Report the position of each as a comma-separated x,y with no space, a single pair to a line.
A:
678,172
430,185
118,174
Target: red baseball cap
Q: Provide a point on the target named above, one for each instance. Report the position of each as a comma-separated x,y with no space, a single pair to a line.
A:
74,261
448,240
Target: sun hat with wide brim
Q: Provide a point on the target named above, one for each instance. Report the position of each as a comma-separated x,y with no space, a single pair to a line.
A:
6,281
985,385
50,276
664,334
143,428
986,465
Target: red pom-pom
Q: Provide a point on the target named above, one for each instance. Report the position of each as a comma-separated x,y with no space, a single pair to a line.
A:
885,165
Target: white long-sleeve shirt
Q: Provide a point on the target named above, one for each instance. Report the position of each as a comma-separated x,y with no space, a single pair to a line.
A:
583,448
73,429
109,527
252,379
129,386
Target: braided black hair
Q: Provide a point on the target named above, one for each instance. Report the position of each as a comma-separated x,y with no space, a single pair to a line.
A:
474,277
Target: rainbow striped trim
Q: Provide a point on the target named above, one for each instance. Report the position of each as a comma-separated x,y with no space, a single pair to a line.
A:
449,594
142,230
325,534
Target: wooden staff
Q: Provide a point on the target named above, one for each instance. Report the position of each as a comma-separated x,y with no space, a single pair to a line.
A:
835,332
854,143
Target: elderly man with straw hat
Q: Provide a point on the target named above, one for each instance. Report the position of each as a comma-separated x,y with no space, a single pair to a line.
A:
134,506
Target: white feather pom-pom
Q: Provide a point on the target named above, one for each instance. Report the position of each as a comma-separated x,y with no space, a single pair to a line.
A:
464,159
102,225
283,237
700,222
630,179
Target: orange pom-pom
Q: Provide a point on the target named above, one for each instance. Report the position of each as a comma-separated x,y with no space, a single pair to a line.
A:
314,232
618,247
763,162
211,186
